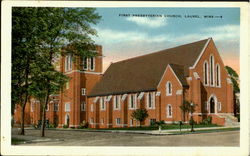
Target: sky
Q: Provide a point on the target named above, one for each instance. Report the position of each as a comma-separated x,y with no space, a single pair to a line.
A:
129,32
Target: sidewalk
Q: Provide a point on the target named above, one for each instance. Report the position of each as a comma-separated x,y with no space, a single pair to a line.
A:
150,132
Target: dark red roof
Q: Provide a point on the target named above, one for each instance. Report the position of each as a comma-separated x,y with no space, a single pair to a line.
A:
143,73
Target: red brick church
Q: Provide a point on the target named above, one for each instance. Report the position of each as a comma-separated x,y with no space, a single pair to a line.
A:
158,82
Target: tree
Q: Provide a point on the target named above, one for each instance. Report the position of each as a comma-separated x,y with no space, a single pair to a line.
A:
57,32
188,107
140,115
234,78
23,56
185,107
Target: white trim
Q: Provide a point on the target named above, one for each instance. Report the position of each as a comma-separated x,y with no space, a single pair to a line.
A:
196,75
158,94
86,72
102,104
203,50
165,73
93,63
116,121
67,85
96,99
152,94
219,75
124,96
67,106
205,77
83,106
83,91
167,88
140,95
179,92
134,101
219,106
115,98
167,111
215,104
108,98
85,61
211,70
189,78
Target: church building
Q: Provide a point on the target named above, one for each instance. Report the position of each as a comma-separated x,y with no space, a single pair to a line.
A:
159,82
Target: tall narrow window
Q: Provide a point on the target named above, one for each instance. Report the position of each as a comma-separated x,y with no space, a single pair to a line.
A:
116,102
56,107
67,107
212,70
102,103
132,101
85,63
205,73
169,111
92,63
149,100
169,88
68,62
218,75
83,91
83,105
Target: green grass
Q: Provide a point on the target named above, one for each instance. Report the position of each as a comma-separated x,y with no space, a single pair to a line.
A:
15,141
206,131
164,127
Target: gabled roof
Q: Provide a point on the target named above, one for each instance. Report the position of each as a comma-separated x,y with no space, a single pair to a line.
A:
179,71
143,73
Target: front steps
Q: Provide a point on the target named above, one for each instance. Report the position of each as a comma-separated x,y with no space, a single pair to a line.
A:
230,120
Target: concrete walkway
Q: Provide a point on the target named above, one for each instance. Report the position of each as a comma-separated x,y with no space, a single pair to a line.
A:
150,132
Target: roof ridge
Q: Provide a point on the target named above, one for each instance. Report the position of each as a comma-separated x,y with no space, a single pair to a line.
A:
159,51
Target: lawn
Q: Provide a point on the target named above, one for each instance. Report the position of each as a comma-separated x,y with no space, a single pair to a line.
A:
15,141
164,127
206,131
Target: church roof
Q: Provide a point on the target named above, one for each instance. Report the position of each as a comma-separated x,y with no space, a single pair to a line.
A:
143,73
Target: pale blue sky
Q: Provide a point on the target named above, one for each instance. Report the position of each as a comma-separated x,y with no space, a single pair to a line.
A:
124,37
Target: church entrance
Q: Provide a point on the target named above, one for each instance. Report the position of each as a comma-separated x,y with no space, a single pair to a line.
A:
212,105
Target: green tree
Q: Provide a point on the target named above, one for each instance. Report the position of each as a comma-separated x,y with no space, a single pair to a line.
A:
234,78
23,56
56,32
187,108
140,115
236,89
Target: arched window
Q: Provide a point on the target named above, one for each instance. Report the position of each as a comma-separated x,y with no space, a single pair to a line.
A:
169,111
212,70
205,73
218,79
169,88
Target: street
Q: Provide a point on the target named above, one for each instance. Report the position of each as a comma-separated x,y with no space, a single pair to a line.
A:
81,138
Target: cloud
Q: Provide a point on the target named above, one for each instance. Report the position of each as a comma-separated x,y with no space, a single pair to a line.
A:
148,22
115,36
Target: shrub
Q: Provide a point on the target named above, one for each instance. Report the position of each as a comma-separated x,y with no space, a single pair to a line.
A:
206,121
84,124
51,125
65,126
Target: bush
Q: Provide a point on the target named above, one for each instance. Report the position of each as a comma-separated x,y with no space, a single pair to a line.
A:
65,126
84,124
51,125
207,121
